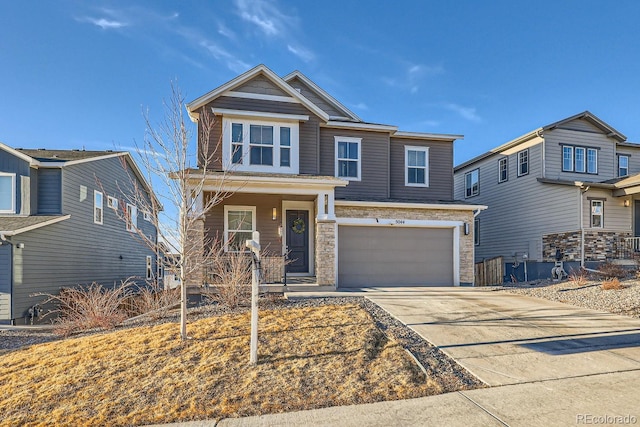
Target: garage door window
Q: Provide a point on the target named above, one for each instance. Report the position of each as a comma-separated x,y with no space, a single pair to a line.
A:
239,224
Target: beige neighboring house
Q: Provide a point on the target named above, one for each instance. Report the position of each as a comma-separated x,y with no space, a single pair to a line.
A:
569,188
352,203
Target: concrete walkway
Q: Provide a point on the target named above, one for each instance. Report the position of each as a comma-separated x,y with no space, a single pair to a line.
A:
547,364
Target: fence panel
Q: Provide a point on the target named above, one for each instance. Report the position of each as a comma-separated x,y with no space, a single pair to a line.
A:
489,272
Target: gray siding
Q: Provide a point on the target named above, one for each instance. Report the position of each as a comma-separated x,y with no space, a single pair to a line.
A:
521,209
439,169
261,85
49,191
634,158
607,161
374,149
615,216
12,164
312,96
308,129
77,251
5,282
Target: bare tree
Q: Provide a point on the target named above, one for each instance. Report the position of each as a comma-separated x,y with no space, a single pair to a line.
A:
176,171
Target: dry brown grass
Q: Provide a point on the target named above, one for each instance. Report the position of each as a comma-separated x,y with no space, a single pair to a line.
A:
578,277
612,284
308,358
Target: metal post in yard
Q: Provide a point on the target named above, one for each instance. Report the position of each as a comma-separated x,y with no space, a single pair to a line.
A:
254,245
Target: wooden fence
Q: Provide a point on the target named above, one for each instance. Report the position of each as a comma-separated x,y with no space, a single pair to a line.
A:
489,272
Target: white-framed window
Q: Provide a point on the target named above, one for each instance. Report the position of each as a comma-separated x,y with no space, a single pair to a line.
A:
348,161
472,183
146,215
597,213
503,169
149,269
112,202
239,225
7,192
253,145
132,217
98,207
416,166
476,232
623,165
523,162
579,159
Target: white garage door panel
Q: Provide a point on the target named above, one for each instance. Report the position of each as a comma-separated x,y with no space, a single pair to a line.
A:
394,256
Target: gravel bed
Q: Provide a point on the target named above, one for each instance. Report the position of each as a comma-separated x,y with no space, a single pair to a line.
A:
590,295
451,375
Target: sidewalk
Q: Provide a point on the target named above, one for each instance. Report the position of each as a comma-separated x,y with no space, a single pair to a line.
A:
547,364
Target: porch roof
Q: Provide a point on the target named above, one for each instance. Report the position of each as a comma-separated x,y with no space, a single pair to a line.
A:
12,225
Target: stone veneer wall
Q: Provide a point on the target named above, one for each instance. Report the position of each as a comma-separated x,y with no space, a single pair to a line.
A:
466,242
598,245
326,252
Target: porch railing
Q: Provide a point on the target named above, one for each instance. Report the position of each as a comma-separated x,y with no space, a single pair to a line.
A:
629,248
272,269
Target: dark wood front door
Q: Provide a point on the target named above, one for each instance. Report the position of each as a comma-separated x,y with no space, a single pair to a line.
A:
298,241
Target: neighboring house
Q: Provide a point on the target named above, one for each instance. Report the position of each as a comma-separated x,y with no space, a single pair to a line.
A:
61,224
568,188
353,203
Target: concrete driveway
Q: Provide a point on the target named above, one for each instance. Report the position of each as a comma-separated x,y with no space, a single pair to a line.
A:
547,363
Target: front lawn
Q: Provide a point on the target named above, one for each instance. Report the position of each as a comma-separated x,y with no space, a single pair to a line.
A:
309,357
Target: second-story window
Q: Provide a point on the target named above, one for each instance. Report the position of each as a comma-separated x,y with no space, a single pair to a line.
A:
348,163
132,218
503,169
472,183
285,146
98,207
623,165
261,145
579,159
592,160
416,160
7,192
236,143
523,162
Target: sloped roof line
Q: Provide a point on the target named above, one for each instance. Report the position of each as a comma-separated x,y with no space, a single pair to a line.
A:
322,93
246,76
593,119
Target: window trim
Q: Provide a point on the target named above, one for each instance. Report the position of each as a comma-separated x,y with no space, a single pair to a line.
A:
348,139
470,189
112,203
97,208
591,215
628,157
574,168
131,218
146,215
424,150
12,210
149,267
595,151
520,162
227,209
506,163
245,161
571,147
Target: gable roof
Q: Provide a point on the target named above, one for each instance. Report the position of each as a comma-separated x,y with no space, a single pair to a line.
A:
322,94
245,77
585,115
44,155
12,225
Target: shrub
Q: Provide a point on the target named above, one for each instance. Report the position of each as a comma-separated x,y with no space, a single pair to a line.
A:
610,270
230,277
578,277
155,301
83,308
612,284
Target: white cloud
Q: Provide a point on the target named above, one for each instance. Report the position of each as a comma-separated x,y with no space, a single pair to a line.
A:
263,14
430,123
468,113
361,106
223,30
104,23
233,63
412,76
302,53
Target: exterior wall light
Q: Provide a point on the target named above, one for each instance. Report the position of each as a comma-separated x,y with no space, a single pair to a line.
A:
274,214
627,203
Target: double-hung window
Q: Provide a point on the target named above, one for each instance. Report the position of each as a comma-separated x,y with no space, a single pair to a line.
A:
132,218
261,145
285,147
623,165
149,265
98,207
523,162
579,159
472,183
7,192
239,225
416,160
503,169
348,161
236,143
597,213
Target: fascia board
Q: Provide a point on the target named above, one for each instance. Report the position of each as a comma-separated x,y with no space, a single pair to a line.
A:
409,205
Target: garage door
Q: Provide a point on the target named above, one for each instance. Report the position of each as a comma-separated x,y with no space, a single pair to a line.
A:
394,256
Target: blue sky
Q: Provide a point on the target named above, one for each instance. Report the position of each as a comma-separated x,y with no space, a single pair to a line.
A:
78,74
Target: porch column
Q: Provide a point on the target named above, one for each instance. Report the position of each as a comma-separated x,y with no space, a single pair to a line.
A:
326,230
321,208
331,205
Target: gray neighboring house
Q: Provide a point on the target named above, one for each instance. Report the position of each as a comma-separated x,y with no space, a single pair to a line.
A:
354,203
59,226
568,188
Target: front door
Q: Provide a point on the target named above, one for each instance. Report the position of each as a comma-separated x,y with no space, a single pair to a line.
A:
298,241
636,211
